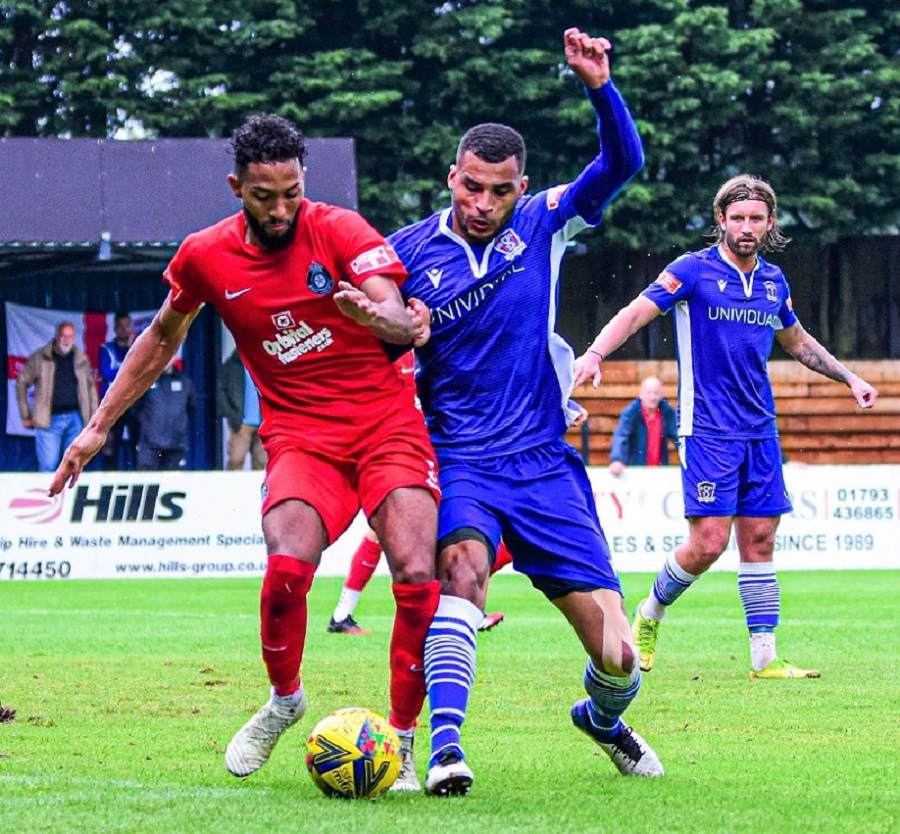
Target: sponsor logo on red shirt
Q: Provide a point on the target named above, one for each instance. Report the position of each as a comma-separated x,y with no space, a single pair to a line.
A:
374,259
283,320
669,282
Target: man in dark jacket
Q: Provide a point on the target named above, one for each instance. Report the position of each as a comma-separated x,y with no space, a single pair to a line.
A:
164,415
642,436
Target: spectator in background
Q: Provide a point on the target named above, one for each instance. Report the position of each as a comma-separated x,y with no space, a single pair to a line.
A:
237,401
119,451
65,395
645,426
164,414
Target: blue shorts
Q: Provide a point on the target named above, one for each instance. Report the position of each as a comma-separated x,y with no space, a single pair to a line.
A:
725,477
540,502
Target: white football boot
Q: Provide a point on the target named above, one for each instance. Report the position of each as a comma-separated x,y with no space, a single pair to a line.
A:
252,745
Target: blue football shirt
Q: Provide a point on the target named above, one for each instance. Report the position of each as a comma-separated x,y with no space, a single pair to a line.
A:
725,322
495,377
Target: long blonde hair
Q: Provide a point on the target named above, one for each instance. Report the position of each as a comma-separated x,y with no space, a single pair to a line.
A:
748,187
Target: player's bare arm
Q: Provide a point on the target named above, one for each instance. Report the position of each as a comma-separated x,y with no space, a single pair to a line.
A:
622,326
143,364
809,352
588,57
377,305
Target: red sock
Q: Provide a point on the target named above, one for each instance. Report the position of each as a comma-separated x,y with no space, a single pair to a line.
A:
282,610
416,605
365,560
502,558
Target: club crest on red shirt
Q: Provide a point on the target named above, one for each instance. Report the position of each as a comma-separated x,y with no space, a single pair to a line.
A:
318,279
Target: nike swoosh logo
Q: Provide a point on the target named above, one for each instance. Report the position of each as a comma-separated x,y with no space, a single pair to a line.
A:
232,295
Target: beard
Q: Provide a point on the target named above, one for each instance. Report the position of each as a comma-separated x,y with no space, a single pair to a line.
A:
744,247
63,350
268,240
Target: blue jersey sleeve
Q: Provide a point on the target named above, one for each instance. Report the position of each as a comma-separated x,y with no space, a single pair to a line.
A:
620,157
675,283
575,206
786,314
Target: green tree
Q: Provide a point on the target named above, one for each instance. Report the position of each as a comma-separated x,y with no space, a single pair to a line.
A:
802,92
65,68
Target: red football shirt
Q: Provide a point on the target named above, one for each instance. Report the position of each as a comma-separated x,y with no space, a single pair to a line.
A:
405,366
322,378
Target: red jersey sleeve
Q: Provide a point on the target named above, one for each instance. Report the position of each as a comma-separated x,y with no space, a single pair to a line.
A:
366,252
182,281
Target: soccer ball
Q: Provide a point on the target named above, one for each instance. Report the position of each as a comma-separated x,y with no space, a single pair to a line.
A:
353,753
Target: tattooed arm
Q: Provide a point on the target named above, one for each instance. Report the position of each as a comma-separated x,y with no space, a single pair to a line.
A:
807,351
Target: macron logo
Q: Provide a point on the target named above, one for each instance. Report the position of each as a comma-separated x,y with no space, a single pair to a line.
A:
434,275
722,284
229,296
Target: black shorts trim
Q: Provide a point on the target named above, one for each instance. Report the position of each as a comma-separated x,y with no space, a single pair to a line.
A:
554,588
467,534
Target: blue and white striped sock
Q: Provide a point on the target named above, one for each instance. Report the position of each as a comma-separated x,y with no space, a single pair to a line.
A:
450,671
609,697
671,582
761,597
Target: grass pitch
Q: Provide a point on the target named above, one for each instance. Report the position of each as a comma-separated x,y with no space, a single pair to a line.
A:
127,693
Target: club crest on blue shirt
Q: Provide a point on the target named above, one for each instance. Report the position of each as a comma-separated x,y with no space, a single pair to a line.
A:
510,244
771,291
318,279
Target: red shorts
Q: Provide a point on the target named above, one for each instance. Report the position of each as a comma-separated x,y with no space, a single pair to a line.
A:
397,454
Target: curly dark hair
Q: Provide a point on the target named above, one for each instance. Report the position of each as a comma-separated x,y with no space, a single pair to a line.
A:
493,143
748,187
266,139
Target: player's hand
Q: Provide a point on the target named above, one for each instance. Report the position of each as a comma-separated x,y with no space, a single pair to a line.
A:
421,316
616,468
77,456
355,304
580,417
588,57
864,393
587,366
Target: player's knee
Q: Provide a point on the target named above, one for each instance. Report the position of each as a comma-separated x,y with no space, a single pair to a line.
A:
414,570
411,559
710,546
463,586
463,571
